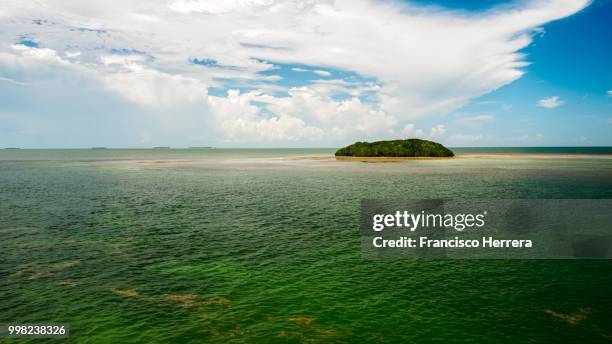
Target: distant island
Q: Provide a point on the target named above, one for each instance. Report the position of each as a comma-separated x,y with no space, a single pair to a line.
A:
396,148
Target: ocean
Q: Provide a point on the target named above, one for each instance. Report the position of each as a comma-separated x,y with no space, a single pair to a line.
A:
263,246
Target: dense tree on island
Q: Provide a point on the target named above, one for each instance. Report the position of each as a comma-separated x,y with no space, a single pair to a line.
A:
396,148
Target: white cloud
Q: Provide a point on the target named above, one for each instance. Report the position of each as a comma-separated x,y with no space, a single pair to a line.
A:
37,53
322,73
240,121
408,129
475,121
550,102
143,51
318,72
462,139
123,60
437,131
528,137
9,80
72,54
348,118
609,92
308,115
155,89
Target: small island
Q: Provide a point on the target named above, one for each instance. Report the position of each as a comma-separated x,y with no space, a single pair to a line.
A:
414,148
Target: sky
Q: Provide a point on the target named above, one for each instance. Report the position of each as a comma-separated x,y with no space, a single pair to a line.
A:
304,73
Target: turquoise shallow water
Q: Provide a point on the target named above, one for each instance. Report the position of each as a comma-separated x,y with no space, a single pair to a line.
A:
215,246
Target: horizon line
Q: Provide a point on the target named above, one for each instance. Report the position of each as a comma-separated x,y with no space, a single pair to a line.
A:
264,147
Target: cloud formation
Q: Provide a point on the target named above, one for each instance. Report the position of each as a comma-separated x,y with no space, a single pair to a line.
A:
380,63
475,121
550,102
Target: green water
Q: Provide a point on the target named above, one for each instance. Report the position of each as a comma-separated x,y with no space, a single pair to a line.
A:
215,246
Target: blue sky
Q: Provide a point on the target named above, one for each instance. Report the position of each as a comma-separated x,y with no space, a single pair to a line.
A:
267,73
571,60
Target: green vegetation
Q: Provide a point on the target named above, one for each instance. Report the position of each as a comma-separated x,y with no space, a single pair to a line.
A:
396,148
